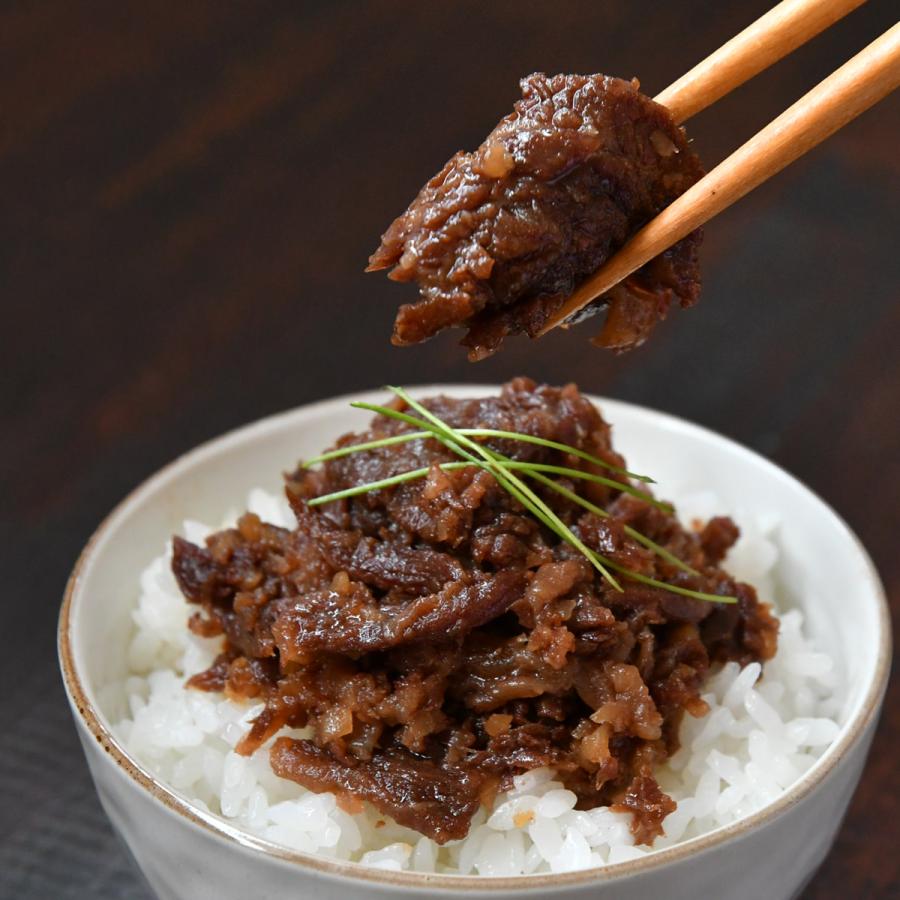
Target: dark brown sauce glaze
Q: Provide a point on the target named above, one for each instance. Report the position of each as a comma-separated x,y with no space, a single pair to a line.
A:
499,238
439,641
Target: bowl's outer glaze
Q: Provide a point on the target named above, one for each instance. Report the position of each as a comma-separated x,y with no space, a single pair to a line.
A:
186,860
186,854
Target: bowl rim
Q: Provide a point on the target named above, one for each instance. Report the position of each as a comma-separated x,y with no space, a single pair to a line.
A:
88,716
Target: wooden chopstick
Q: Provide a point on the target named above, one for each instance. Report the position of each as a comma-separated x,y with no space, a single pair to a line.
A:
860,83
772,36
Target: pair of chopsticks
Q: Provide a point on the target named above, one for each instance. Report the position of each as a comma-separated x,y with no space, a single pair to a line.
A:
860,83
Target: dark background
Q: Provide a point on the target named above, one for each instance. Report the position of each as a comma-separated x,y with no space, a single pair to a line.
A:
189,193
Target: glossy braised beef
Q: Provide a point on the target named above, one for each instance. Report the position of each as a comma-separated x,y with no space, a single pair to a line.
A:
437,640
499,238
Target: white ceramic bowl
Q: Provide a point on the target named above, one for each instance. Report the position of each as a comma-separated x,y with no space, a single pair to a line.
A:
185,853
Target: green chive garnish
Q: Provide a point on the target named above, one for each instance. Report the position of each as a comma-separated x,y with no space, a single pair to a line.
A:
503,469
468,432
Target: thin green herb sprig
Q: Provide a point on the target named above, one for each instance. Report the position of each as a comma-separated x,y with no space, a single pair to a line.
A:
633,533
415,474
468,432
526,467
390,481
504,471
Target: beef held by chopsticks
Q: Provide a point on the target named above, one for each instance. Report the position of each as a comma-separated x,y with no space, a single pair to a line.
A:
499,238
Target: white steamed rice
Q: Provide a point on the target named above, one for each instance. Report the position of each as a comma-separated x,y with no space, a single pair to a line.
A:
759,737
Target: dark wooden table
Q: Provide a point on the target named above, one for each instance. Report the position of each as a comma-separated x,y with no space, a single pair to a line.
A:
189,194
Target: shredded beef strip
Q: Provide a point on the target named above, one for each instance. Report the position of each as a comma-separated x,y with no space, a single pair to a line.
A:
352,621
436,640
415,791
499,238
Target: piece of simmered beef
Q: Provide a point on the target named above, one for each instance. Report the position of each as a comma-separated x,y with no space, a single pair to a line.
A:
500,237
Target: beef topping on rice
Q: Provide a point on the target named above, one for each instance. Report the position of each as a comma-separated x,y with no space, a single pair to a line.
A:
438,640
499,238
